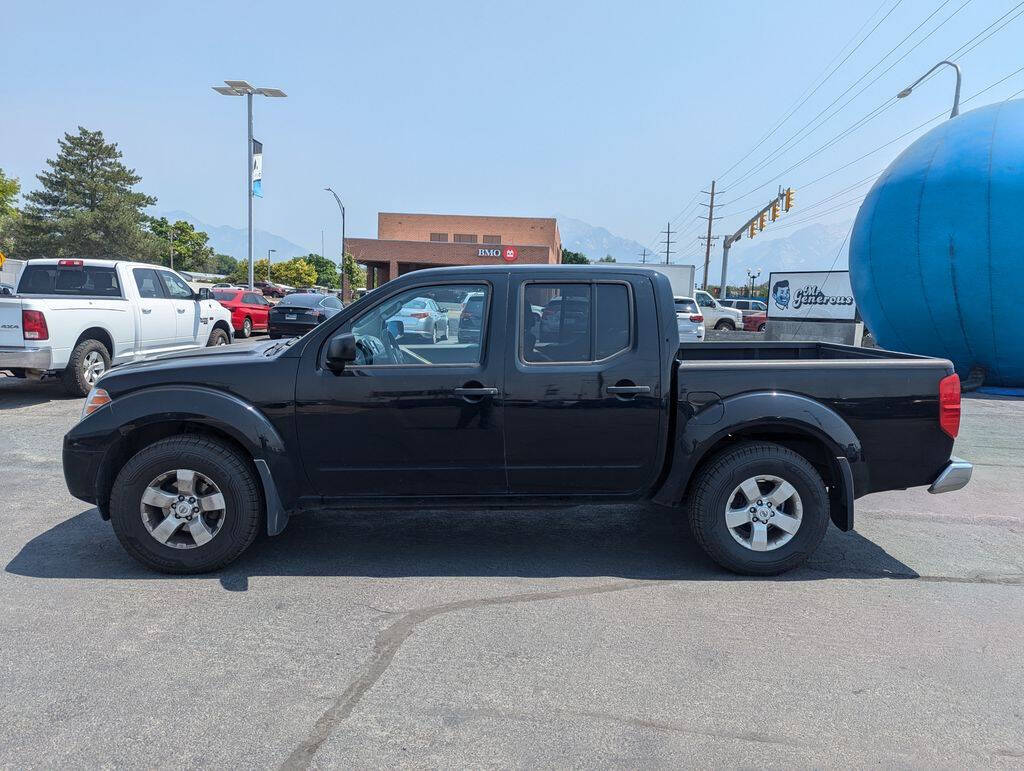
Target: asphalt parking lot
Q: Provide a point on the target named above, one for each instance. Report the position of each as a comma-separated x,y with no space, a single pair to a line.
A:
565,638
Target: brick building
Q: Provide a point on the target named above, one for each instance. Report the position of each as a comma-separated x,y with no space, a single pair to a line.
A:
407,242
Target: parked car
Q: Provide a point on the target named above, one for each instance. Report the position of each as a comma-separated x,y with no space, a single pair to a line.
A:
423,316
755,321
471,318
77,318
223,285
564,316
250,312
716,315
759,445
298,313
6,290
269,289
745,306
689,321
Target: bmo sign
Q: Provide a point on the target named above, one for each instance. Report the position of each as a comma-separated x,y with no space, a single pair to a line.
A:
507,253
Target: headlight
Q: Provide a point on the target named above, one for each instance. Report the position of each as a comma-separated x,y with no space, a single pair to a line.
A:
97,398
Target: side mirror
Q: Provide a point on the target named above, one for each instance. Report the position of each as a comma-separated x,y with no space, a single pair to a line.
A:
341,351
204,293
396,328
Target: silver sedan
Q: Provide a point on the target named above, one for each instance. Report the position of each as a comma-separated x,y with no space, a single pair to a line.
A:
423,316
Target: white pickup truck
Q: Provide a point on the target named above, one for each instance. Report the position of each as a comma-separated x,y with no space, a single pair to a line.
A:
77,318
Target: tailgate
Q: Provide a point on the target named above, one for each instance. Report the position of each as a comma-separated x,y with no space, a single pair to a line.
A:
10,323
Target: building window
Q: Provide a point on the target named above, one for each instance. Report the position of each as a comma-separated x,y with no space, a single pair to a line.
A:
492,239
465,238
439,237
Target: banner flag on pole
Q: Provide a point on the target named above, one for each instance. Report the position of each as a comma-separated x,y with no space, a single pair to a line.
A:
257,168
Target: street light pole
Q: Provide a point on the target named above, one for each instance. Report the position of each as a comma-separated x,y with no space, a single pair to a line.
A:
268,263
241,88
344,275
956,94
753,277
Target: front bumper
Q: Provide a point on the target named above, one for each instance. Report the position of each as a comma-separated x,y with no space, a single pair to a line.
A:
954,476
25,358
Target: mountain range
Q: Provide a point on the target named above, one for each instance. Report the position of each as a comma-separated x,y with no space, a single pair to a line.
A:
814,247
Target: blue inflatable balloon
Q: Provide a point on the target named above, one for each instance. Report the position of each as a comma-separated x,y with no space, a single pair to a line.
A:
936,255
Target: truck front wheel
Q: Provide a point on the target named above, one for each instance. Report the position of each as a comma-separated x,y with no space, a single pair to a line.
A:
758,508
186,504
87,362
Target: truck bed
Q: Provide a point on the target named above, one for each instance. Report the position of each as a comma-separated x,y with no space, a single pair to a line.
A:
783,351
890,400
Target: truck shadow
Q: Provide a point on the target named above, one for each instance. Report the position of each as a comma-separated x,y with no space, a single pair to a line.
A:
633,542
18,392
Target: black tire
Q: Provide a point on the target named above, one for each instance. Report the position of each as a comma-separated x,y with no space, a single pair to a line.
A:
724,324
246,329
762,327
709,497
243,503
218,337
75,377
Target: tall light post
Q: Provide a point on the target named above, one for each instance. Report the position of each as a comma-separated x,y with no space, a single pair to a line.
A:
269,252
344,275
752,275
241,88
956,94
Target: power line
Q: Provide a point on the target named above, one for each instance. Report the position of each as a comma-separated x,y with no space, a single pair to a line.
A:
802,99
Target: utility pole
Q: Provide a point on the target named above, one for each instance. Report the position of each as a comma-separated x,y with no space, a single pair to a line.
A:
707,244
643,256
667,232
172,246
269,251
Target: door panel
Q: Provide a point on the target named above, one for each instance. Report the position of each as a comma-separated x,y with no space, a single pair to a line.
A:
387,429
186,309
583,427
157,322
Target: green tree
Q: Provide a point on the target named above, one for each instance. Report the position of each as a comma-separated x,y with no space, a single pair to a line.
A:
296,272
574,258
191,251
326,270
222,263
9,189
356,274
607,258
87,206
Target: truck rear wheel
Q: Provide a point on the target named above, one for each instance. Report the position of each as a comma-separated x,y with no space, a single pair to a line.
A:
186,504
218,337
87,362
758,509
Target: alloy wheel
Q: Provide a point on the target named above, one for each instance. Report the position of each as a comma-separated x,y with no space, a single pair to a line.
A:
763,512
92,367
183,509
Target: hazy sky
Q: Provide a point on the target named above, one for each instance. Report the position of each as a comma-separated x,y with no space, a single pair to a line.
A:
614,113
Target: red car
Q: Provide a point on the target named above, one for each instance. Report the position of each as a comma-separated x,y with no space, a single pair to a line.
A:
755,321
250,312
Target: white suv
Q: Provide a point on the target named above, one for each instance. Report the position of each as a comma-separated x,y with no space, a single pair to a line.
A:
77,318
716,315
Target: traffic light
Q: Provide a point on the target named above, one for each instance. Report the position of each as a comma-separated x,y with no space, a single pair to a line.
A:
762,221
789,199
753,229
775,211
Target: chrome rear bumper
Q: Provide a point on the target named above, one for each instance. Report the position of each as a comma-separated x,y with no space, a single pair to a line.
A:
24,358
955,475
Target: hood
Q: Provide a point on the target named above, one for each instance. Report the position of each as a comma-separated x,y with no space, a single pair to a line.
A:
220,366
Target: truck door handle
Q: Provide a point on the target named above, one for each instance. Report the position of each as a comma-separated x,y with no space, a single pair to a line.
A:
631,389
477,392
181,310
147,310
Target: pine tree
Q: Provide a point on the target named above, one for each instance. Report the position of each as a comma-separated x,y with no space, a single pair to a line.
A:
87,206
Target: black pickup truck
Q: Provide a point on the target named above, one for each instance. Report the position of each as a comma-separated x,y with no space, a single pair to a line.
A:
521,385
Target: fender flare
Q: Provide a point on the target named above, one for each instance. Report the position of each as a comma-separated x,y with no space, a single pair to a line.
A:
221,411
701,429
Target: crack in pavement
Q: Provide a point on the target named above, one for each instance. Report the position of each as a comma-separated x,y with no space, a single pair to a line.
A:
390,639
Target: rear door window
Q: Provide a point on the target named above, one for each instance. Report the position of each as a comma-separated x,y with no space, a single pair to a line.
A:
575,323
83,281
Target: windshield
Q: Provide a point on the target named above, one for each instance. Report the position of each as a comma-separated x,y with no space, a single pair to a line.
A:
223,294
301,301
